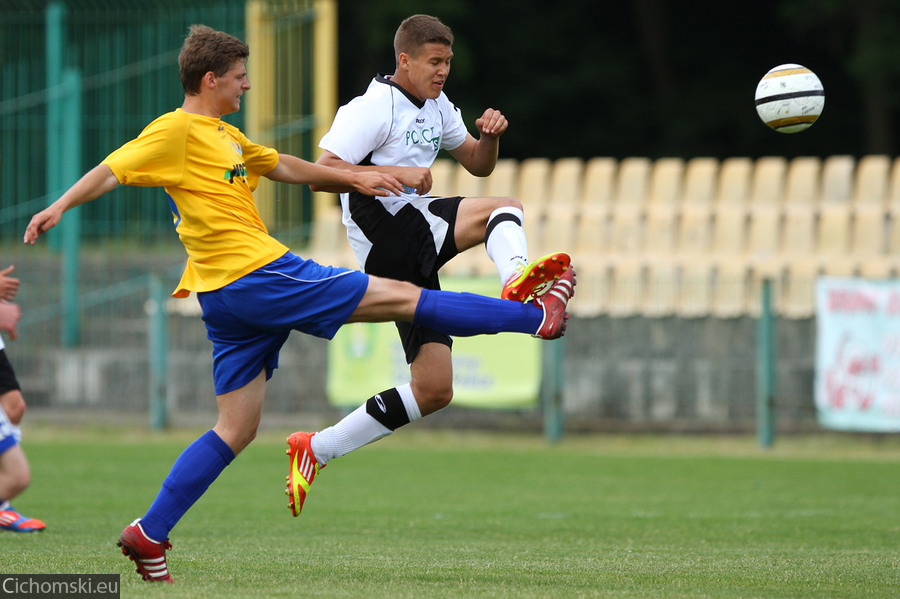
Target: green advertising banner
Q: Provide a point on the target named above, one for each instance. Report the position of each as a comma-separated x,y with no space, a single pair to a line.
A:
489,371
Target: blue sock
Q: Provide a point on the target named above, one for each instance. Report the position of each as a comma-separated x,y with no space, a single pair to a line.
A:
468,314
194,470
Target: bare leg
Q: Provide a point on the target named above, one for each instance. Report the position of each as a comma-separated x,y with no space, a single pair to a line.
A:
14,473
240,412
432,377
472,219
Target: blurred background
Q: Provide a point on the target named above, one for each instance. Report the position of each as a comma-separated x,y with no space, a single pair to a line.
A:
650,77
615,108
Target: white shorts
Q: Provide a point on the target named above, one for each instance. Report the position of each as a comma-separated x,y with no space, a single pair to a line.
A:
10,434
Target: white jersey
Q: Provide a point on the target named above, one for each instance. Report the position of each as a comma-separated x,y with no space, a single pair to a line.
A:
387,126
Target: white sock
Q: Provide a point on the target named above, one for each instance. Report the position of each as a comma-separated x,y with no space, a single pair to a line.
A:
358,429
505,241
352,432
4,505
409,402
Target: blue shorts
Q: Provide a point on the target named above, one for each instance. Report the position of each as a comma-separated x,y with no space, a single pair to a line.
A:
250,319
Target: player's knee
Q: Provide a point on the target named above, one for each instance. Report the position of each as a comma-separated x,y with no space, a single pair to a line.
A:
513,203
245,438
501,204
236,437
386,300
14,405
432,398
19,479
24,479
433,403
16,412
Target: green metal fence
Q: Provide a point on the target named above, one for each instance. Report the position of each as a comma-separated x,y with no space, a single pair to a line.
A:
122,56
79,78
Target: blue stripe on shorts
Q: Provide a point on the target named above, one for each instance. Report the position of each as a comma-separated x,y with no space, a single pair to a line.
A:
250,319
7,442
7,433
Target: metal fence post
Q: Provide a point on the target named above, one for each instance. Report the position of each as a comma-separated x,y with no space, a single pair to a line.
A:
158,336
553,362
53,47
69,165
63,160
765,369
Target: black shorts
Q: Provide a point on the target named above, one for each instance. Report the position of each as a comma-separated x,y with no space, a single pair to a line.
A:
403,248
8,380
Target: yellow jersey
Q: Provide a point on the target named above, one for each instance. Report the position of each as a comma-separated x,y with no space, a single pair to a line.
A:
209,170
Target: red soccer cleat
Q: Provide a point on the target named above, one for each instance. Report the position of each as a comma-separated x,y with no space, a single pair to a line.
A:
148,555
554,303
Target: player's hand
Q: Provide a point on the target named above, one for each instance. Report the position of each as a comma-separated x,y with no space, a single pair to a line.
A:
416,177
9,286
9,318
42,222
492,123
374,183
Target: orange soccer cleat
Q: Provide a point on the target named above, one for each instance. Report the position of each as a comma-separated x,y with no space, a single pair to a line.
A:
536,278
303,470
13,521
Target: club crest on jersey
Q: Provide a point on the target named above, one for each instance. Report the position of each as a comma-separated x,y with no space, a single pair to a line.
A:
423,137
238,170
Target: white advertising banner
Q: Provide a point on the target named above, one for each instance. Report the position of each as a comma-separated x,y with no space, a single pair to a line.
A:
857,382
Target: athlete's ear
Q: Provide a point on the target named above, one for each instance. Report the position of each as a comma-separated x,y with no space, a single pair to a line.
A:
209,80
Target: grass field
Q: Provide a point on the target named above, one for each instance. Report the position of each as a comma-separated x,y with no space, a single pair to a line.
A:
438,514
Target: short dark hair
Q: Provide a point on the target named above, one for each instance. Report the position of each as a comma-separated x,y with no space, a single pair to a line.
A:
205,50
418,30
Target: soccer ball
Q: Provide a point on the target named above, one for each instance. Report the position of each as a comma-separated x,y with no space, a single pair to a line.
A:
789,98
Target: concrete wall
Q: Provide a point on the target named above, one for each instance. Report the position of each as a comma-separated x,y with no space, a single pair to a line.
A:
633,373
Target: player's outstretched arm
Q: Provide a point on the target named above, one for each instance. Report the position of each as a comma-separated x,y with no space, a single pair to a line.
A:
291,169
415,177
92,185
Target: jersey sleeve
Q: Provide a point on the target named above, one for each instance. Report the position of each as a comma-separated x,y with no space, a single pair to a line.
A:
154,158
356,131
455,131
259,158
